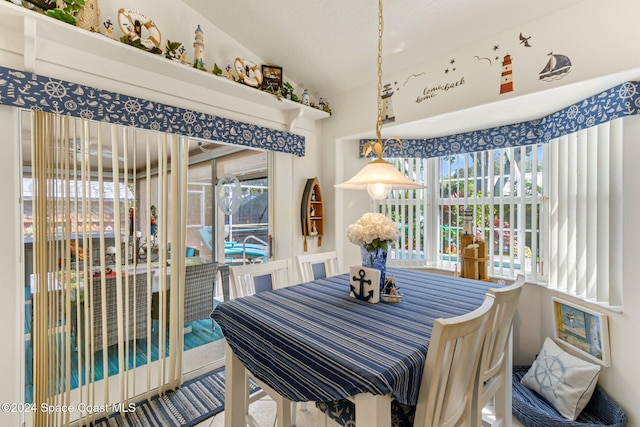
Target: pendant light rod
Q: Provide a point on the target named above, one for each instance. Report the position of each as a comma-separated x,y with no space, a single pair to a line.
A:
379,177
378,146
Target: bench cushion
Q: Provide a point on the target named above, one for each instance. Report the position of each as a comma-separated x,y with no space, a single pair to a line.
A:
532,410
566,382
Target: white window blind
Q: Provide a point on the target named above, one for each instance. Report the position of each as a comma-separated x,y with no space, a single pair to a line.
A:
585,213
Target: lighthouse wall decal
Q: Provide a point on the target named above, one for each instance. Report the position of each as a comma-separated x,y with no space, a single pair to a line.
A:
387,105
506,82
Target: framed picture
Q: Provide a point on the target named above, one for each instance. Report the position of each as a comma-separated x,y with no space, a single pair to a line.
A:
583,330
271,78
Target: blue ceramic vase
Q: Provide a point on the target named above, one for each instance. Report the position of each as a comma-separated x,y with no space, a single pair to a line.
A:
377,259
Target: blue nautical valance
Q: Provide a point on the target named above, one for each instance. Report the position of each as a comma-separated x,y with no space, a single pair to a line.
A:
619,101
32,91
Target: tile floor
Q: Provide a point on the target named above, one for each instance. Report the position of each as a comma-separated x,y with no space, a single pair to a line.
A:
264,412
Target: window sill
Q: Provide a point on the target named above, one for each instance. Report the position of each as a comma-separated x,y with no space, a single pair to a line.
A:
554,291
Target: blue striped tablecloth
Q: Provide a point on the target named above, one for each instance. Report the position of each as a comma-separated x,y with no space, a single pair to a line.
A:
312,342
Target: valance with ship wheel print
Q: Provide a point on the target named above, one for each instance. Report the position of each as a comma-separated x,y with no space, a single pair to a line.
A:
32,91
619,101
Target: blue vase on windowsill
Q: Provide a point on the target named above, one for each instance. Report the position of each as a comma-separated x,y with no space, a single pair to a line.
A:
375,258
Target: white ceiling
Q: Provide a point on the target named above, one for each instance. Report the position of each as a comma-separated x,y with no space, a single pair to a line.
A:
329,46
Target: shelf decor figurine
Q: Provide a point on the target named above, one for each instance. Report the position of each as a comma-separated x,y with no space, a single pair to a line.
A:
131,23
88,17
106,28
198,54
66,10
229,73
288,92
172,50
248,72
306,99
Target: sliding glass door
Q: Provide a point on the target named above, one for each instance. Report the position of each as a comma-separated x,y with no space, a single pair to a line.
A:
113,216
103,206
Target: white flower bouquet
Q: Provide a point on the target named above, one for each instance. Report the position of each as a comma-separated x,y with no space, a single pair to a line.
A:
372,231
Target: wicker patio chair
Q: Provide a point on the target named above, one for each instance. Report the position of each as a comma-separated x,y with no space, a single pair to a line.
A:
199,292
137,313
199,285
533,410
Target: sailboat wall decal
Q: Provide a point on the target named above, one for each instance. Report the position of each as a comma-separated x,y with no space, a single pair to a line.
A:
557,67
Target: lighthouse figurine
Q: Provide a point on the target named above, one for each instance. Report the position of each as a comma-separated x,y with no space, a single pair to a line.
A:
306,100
506,82
198,45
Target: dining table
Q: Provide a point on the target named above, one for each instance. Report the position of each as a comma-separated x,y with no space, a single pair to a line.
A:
313,342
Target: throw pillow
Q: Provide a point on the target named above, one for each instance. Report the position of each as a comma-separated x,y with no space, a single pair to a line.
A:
565,381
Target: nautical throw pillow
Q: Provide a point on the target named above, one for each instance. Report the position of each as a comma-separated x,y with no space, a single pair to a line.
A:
565,381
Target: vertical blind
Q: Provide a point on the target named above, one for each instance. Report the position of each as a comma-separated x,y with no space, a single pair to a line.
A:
91,287
585,213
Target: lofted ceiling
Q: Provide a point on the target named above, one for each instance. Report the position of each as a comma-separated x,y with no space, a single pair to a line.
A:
330,46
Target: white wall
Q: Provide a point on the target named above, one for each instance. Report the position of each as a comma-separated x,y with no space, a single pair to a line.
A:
12,301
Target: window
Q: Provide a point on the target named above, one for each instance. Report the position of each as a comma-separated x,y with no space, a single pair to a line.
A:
549,211
245,231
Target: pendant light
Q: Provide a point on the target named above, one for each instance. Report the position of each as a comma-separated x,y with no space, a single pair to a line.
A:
379,177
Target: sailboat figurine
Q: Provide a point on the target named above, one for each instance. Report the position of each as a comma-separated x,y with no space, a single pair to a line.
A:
557,67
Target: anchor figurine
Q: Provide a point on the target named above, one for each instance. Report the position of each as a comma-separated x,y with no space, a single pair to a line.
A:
361,284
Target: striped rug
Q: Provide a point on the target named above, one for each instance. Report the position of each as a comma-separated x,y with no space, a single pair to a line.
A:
193,403
201,334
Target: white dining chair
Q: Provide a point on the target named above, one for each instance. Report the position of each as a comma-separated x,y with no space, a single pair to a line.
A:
446,388
247,280
494,373
317,266
251,278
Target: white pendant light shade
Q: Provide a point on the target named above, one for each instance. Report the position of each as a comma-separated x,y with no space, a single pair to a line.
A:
379,177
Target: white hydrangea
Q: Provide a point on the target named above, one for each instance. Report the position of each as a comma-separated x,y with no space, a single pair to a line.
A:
373,230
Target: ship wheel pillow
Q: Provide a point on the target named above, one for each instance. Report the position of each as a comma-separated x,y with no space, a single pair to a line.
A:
565,381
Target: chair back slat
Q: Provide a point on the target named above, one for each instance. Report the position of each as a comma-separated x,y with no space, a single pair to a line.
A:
450,369
317,266
493,380
499,328
246,279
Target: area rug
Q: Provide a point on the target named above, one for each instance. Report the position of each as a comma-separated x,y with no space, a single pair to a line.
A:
193,403
201,334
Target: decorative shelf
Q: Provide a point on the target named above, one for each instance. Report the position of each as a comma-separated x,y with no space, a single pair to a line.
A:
312,212
51,41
